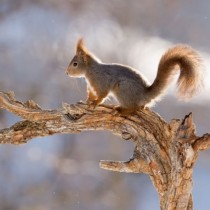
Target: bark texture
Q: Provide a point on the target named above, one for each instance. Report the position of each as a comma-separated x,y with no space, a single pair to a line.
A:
165,151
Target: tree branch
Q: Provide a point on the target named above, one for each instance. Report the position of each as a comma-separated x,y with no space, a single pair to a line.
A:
166,152
130,166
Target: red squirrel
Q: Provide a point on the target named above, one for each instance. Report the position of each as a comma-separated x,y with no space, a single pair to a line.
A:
129,86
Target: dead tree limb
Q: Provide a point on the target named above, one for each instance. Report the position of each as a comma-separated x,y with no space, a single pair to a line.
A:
165,151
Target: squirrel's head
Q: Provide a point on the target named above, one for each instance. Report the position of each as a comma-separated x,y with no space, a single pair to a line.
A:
80,62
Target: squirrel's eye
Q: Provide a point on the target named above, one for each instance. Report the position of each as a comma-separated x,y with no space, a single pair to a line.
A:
75,64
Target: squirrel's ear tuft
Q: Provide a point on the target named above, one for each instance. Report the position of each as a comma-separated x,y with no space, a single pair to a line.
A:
81,47
82,51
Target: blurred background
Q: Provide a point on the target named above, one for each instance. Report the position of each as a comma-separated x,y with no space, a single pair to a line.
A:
37,41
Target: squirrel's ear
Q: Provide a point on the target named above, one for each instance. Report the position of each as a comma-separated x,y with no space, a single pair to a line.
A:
81,50
81,47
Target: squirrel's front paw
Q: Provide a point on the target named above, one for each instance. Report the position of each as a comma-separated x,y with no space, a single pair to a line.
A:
92,104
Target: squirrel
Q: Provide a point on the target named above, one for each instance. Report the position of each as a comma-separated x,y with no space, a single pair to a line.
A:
130,87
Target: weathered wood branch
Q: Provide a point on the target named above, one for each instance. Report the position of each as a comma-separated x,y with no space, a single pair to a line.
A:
165,151
202,143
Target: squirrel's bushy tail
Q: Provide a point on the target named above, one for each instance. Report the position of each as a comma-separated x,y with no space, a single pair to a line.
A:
191,72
